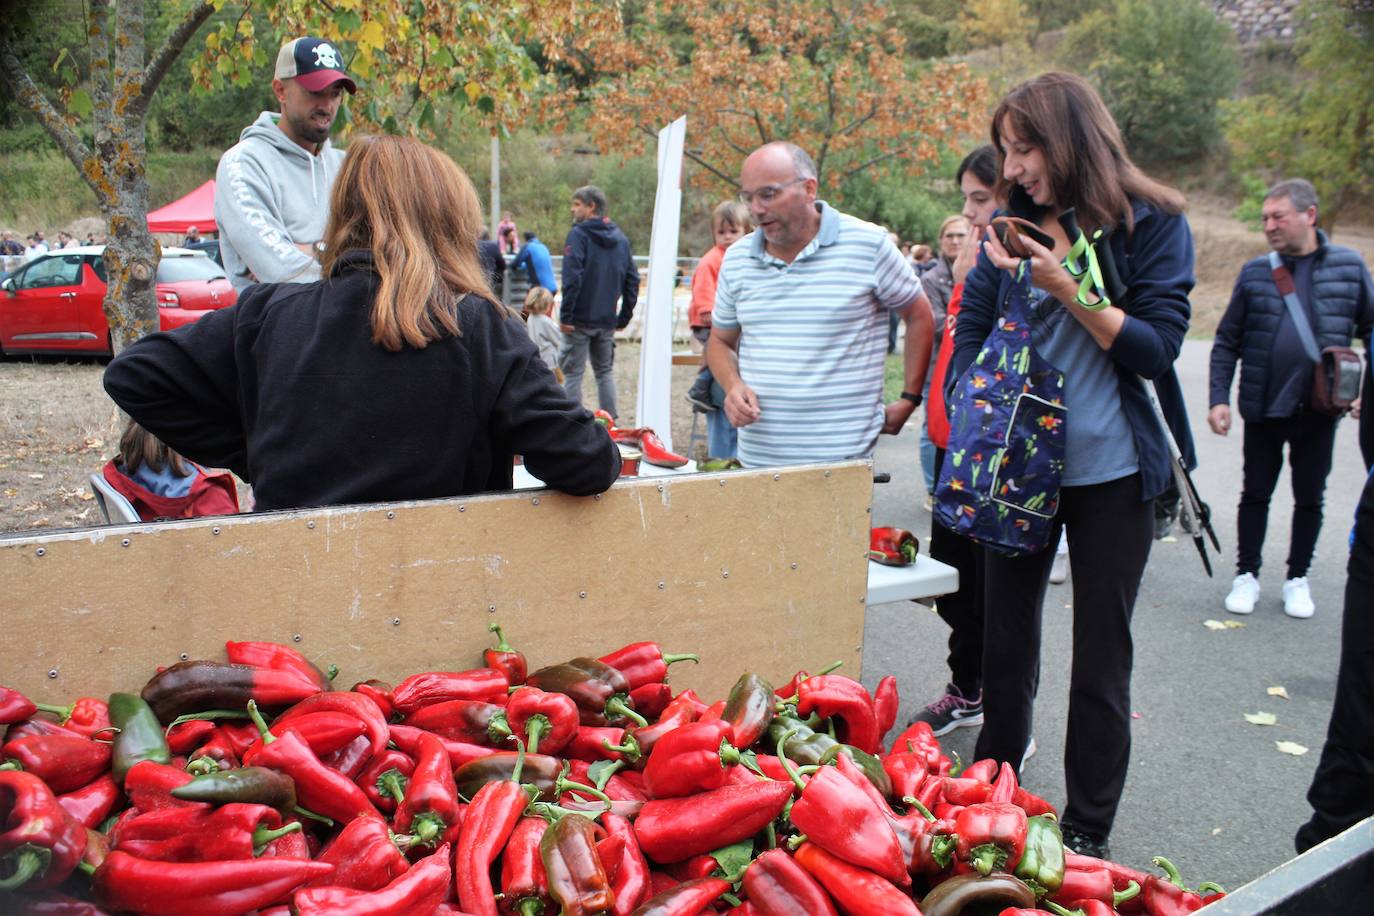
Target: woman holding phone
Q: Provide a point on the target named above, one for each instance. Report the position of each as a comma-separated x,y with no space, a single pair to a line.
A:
1062,157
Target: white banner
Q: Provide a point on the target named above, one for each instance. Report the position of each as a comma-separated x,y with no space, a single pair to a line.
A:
654,407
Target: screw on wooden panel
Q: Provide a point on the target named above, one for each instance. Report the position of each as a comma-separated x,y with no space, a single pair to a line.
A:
794,565
52,672
722,483
863,599
391,515
597,497
124,543
41,551
868,509
725,574
310,524
662,586
491,609
660,488
581,594
296,637
534,501
395,621
185,656
777,477
827,473
462,508
215,530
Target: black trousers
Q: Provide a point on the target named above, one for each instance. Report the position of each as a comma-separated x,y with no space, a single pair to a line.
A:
962,610
1342,791
1310,438
1110,532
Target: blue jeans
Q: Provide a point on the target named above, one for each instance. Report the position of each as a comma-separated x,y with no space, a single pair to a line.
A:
599,343
927,457
722,439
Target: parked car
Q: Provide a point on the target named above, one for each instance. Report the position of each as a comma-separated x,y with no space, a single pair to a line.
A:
210,247
53,303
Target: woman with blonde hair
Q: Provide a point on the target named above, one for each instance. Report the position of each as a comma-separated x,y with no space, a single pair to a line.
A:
396,376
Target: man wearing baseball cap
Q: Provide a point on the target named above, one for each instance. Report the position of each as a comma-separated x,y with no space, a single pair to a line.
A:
272,187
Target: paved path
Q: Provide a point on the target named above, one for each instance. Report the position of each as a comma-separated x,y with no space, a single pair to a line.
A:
1205,787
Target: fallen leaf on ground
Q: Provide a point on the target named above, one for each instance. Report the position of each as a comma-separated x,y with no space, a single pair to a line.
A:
1290,747
1277,692
1136,715
1216,831
35,477
1261,718
1169,540
1222,624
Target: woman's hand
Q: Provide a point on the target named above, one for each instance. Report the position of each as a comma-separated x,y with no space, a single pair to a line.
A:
967,258
1047,272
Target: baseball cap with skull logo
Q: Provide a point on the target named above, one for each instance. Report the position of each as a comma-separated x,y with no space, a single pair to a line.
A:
314,63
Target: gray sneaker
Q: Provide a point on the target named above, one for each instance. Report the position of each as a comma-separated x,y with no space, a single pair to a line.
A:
951,711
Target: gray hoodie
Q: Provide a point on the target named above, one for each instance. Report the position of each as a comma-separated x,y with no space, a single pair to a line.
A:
269,195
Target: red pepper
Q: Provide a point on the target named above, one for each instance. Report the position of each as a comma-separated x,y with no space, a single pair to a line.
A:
892,546
325,731
689,700
673,829
885,704
228,744
631,879
126,882
690,898
419,890
918,739
984,770
957,790
648,442
233,831
644,662
278,658
40,843
1084,884
185,737
609,850
459,753
690,759
1168,896
149,786
65,762
318,788
547,721
485,684
748,709
14,706
681,711
907,772
604,418
778,886
577,878
91,804
618,788
592,742
772,767
490,819
469,721
649,700
379,692
196,686
505,658
843,819
430,811
992,837
346,702
1033,805
834,696
600,691
1122,875
524,886
293,845
384,779
858,892
35,727
89,716
365,856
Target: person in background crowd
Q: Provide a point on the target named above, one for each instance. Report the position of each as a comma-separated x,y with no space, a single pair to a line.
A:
598,269
36,246
810,287
1336,296
534,258
729,221
505,233
961,705
9,245
543,329
938,282
1061,149
272,187
398,376
493,262
192,237
90,238
923,256
160,484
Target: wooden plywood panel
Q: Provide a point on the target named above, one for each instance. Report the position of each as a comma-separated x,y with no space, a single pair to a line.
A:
756,570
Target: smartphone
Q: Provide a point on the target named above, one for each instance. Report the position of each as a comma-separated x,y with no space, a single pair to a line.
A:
1009,231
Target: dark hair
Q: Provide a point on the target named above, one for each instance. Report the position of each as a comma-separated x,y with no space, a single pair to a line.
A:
591,194
1089,170
138,447
1299,192
529,236
982,162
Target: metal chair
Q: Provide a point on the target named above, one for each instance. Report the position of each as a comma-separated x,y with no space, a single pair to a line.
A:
117,509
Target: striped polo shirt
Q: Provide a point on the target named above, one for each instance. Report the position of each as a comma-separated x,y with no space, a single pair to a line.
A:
813,338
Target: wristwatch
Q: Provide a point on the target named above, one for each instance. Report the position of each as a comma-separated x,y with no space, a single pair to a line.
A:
319,247
913,398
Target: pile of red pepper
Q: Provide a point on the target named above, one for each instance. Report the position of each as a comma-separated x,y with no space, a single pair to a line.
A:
584,787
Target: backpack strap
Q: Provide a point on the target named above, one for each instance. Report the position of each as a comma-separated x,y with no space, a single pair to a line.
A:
1283,279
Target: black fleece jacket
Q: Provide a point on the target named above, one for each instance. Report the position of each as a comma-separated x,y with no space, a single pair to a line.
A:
287,389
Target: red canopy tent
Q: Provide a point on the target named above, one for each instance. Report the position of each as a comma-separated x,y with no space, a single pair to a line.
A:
195,209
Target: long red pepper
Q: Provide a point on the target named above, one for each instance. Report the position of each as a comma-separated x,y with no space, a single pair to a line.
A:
14,706
430,811
600,691
1168,896
858,892
748,709
470,721
233,831
319,788
419,890
690,759
524,886
490,818
885,704
278,658
379,692
673,829
365,855
631,880
577,878
325,731
65,762
505,658
649,700
125,882
149,786
547,721
644,663
185,737
40,843
834,696
687,899
346,702
195,686
841,818
485,684
778,886
602,742
92,803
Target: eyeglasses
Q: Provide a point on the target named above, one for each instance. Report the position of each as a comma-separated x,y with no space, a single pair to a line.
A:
768,193
955,235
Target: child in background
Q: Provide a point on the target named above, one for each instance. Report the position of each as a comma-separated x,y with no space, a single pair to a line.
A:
161,484
543,329
729,221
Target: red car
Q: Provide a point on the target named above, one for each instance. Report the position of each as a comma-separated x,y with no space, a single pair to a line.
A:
53,303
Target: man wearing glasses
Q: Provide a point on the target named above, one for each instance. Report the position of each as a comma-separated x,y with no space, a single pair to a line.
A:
799,331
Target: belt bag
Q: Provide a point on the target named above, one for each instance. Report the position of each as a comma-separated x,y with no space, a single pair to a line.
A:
1336,378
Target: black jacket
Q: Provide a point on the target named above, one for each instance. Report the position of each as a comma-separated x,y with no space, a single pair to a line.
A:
1342,300
598,269
288,390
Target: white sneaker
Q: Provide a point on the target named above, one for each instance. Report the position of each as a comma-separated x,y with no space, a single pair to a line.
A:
1297,599
1245,590
1059,571
1030,752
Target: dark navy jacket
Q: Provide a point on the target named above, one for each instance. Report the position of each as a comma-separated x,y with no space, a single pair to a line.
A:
1155,262
597,270
1342,301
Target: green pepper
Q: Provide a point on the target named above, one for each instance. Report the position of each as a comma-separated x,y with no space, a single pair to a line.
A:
138,736
248,785
1043,860
806,746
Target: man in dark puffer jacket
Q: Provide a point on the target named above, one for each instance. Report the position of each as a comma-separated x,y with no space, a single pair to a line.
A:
1336,293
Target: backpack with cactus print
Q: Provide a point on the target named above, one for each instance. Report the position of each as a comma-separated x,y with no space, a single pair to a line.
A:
999,484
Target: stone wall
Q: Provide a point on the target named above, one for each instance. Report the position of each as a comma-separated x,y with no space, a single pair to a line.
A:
1257,20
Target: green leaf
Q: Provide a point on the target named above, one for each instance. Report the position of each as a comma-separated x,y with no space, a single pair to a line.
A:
427,117
81,105
390,125
443,59
348,21
486,104
734,858
597,772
